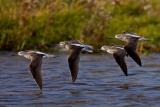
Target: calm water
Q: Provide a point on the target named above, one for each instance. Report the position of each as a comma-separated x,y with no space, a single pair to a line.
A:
100,83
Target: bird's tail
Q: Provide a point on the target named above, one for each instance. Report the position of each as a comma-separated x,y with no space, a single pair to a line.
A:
49,56
143,39
88,48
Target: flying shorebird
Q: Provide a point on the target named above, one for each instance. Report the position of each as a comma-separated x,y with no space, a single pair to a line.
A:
119,55
75,48
131,40
35,65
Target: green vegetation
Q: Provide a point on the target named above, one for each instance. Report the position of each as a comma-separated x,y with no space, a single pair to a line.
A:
40,24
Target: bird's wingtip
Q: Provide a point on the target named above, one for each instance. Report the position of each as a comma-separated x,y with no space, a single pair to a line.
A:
126,74
73,80
140,65
40,87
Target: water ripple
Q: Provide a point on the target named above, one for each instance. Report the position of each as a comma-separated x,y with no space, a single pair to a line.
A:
100,83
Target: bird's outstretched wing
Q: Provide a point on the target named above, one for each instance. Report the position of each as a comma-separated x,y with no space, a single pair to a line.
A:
35,68
133,54
121,62
73,61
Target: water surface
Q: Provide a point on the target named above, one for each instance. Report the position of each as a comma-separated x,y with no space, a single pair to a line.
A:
100,83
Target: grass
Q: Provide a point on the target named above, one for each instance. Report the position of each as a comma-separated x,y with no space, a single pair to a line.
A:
40,24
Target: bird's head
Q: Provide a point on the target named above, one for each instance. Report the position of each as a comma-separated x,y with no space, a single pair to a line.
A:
122,37
106,48
25,54
21,53
64,45
110,49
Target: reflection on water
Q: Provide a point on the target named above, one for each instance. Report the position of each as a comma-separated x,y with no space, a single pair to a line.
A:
100,83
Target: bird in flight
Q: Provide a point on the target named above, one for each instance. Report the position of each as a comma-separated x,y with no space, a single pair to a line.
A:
131,40
35,65
74,48
119,55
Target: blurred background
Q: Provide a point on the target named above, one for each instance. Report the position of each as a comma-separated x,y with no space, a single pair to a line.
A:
40,24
